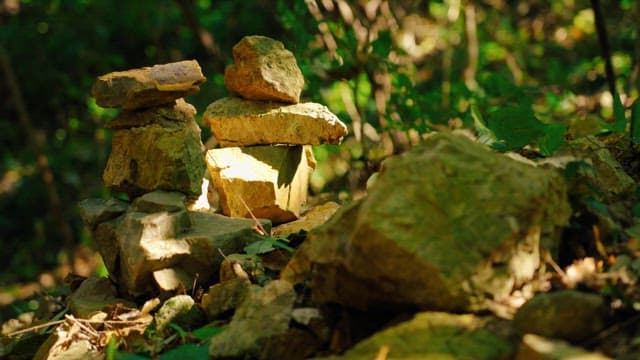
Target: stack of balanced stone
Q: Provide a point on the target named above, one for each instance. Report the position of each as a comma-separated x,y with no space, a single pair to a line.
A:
153,242
156,144
265,160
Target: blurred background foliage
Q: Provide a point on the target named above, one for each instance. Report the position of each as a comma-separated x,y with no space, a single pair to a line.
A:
392,70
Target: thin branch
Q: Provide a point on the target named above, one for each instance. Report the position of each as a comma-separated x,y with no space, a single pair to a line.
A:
601,28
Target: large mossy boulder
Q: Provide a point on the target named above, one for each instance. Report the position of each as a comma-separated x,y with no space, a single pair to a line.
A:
436,335
449,225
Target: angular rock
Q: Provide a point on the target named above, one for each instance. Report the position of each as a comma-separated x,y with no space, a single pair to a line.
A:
238,122
264,70
448,226
225,296
159,201
156,157
93,295
263,315
310,220
178,111
534,347
136,245
271,180
566,314
435,335
95,211
148,86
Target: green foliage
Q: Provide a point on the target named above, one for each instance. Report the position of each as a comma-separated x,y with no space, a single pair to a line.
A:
268,244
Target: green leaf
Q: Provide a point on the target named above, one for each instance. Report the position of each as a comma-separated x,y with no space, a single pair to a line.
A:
517,126
553,138
206,332
635,122
485,135
187,351
268,244
178,329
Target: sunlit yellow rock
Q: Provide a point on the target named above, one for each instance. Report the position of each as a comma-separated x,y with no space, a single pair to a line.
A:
271,180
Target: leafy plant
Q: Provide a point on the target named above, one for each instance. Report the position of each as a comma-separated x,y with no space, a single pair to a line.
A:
268,244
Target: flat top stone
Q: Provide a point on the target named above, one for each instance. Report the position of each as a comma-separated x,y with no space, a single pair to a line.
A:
157,201
264,70
148,86
239,122
178,111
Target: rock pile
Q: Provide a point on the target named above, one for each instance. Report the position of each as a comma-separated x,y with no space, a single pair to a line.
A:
153,242
265,159
156,144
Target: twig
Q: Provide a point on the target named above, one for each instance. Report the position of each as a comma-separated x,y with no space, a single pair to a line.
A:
554,265
264,232
84,327
34,328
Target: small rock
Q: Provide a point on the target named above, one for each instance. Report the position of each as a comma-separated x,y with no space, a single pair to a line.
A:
238,122
225,296
311,219
172,279
435,335
148,86
566,314
95,211
156,157
271,180
264,70
158,201
263,315
179,310
179,111
241,265
93,295
534,347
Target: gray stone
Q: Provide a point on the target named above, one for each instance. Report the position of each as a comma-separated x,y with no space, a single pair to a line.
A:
265,314
136,245
158,201
449,225
224,297
238,122
264,70
93,295
156,157
435,335
95,211
566,314
148,86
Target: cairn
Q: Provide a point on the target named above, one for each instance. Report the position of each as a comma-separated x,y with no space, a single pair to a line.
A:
153,242
156,144
265,134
